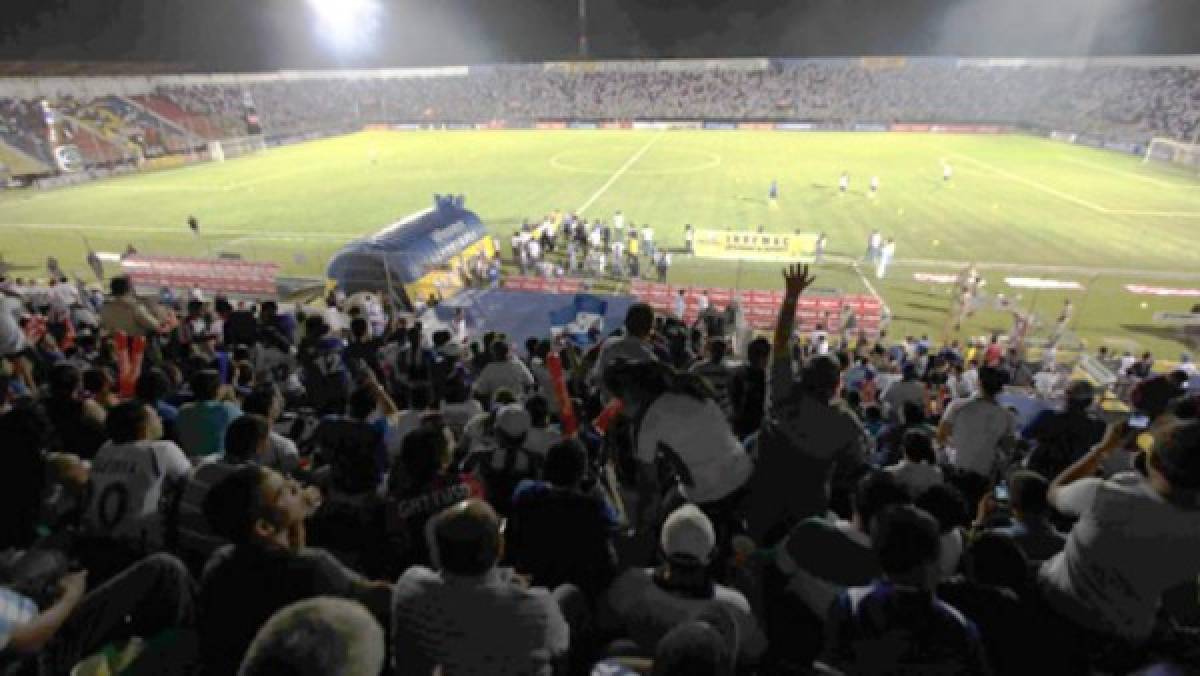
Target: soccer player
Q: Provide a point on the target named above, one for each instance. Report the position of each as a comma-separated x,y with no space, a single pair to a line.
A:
885,258
822,241
773,193
689,238
844,182
947,172
874,185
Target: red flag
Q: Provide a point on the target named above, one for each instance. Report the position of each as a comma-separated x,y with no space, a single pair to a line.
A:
566,411
606,416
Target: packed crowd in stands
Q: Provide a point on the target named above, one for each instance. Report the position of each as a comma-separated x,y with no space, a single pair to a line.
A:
231,487
1127,103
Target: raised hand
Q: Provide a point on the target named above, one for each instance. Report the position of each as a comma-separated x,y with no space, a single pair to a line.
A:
796,279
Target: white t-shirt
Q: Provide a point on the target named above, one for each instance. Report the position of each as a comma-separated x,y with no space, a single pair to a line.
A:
695,432
619,222
915,477
126,485
977,428
647,234
1128,547
511,374
12,338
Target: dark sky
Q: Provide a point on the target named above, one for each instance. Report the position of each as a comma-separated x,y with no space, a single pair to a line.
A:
271,34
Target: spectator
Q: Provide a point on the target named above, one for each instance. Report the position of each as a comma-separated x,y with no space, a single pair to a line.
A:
281,453
469,616
146,599
910,390
716,372
978,433
504,371
152,388
817,561
268,565
1063,437
645,604
422,484
202,423
633,345
124,312
77,423
945,503
508,462
130,475
1153,396
317,637
458,406
683,433
1031,527
917,470
897,624
1137,532
352,448
542,435
561,529
707,645
245,441
748,389
807,443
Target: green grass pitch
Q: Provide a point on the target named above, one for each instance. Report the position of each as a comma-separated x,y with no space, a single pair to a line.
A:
1018,206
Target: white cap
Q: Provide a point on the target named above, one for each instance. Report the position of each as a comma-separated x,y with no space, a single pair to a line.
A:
688,532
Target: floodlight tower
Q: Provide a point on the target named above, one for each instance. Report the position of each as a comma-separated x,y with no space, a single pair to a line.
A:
583,36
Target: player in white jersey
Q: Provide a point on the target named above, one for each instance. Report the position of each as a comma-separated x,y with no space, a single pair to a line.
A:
947,172
844,182
874,185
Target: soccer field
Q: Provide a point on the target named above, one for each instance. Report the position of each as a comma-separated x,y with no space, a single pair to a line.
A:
1017,206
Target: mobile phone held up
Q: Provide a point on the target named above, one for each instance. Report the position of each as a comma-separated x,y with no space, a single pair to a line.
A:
1000,493
1138,421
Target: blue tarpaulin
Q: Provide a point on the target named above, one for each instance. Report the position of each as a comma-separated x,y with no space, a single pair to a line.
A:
524,314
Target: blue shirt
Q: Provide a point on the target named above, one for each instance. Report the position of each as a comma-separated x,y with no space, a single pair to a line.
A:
201,426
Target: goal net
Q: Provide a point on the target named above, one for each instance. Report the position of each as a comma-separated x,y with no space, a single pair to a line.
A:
1169,151
227,149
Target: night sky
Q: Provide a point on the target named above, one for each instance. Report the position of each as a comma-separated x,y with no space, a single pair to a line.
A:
238,35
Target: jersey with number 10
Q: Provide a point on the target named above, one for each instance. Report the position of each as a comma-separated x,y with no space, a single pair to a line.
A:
127,483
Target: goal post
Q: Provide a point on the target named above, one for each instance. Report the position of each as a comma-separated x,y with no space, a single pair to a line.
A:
229,148
1170,151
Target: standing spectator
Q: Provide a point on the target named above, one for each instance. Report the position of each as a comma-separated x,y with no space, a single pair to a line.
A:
124,312
561,529
898,625
978,434
910,390
467,616
130,474
268,565
807,443
202,423
748,389
1137,534
634,345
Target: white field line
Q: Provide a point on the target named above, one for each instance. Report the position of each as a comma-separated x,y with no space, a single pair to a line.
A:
618,173
1072,198
1134,175
871,288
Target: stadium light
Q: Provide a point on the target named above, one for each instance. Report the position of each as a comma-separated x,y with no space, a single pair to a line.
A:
346,26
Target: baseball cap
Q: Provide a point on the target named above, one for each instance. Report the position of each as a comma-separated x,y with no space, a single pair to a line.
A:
513,420
687,533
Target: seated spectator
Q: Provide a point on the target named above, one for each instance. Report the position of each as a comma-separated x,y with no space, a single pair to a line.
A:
77,424
245,441
817,561
352,448
1138,532
468,616
643,605
945,503
146,599
23,475
458,406
542,435
509,462
153,388
504,371
98,385
561,531
318,637
706,645
281,453
716,372
889,449
268,565
479,434
1153,396
420,485
897,624
130,475
917,470
910,390
202,423
1063,437
1031,528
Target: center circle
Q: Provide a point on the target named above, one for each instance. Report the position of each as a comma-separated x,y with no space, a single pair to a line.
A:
569,160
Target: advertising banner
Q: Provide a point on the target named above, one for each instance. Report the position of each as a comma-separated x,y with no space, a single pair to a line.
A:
866,126
1037,283
756,125
723,126
582,125
550,125
795,126
1143,290
754,246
